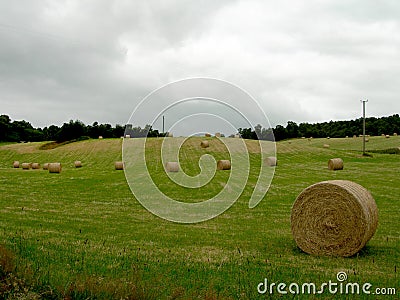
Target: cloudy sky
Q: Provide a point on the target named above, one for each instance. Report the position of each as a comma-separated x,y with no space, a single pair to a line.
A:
305,61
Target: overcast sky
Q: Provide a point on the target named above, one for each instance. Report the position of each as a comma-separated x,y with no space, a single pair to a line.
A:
305,61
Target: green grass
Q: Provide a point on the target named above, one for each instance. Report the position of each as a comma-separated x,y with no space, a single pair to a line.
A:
81,234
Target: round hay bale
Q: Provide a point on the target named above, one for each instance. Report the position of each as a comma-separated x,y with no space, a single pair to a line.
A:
303,137
26,166
78,164
335,164
207,135
172,166
100,137
387,136
119,165
45,166
224,164
354,136
334,218
16,164
395,134
326,146
328,137
36,166
367,139
383,135
218,134
204,144
54,167
347,136
170,134
271,161
128,136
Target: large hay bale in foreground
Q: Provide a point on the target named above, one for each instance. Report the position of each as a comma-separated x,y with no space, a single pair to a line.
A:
45,166
54,167
78,164
35,166
16,164
172,166
326,146
26,166
271,161
204,144
334,218
335,164
119,165
224,164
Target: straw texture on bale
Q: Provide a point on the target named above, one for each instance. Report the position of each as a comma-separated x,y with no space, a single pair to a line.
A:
16,164
36,166
335,164
204,144
271,161
217,134
78,164
326,146
54,167
26,166
334,218
172,166
224,164
45,166
119,165
207,135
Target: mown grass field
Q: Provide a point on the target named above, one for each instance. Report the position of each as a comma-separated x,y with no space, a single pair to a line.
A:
81,234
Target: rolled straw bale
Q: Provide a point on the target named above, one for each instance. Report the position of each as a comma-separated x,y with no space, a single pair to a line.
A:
172,166
45,166
207,135
78,164
128,136
335,164
204,144
387,136
224,164
383,135
367,139
218,134
119,165
328,137
326,146
347,136
395,134
16,164
334,218
303,137
54,167
100,137
36,166
170,134
26,166
271,161
354,136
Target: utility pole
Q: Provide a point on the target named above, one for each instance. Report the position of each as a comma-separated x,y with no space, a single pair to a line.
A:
163,122
363,103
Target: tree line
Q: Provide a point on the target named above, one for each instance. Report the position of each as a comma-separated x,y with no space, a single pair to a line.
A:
23,131
17,131
335,129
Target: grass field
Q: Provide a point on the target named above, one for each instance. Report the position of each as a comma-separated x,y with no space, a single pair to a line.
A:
81,234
